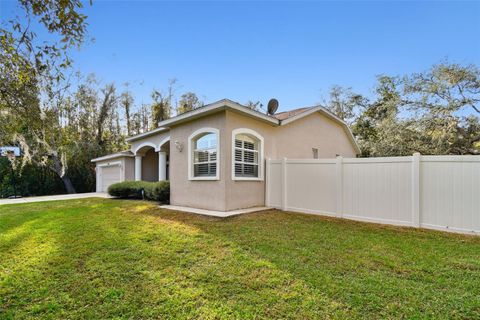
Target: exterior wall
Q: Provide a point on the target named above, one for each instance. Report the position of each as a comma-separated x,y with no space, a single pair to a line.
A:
149,166
154,141
200,194
296,140
129,168
245,194
122,161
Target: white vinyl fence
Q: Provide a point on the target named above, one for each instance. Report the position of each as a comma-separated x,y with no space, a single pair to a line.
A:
435,192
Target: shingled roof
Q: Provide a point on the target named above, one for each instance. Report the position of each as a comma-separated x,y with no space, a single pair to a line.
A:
291,113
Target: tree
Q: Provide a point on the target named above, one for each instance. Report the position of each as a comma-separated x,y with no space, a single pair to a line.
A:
28,63
32,80
141,119
161,107
126,101
344,103
433,112
188,102
438,98
106,107
444,89
377,127
93,130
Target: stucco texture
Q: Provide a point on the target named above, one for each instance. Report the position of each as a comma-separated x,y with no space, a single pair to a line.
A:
198,194
150,166
153,141
244,194
148,148
294,140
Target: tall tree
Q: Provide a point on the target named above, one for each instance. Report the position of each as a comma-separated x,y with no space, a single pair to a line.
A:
444,89
106,107
344,103
161,107
188,102
433,112
141,119
126,101
32,79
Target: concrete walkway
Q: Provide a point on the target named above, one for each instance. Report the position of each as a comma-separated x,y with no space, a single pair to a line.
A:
56,197
213,213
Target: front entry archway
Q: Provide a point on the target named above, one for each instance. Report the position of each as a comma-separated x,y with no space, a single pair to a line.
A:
152,163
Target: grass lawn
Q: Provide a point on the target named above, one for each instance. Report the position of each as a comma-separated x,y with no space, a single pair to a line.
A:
103,258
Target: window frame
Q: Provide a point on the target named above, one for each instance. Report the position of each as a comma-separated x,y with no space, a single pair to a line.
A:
191,144
261,164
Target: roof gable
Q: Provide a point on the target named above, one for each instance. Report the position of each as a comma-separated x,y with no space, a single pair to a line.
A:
305,112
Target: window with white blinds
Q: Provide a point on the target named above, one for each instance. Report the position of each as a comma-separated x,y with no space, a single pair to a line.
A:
246,151
205,155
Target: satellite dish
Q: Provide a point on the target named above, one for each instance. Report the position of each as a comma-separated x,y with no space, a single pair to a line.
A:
272,106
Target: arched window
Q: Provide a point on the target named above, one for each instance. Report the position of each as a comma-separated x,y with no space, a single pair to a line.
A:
247,155
203,154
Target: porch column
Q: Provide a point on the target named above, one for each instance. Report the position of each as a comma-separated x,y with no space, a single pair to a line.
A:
162,166
138,168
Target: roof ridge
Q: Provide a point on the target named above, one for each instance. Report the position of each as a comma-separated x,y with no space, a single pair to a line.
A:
291,113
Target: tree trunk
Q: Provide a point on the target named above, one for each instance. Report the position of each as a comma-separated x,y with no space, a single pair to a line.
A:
59,170
68,184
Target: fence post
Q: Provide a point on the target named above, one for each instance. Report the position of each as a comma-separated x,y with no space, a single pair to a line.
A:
339,185
267,182
416,189
284,184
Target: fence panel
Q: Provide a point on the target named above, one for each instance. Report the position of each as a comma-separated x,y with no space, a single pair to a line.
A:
274,183
311,186
450,193
378,190
437,192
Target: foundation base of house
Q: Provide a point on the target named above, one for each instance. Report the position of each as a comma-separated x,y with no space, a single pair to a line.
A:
213,213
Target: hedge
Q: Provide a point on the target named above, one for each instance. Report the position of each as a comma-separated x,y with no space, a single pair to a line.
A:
157,191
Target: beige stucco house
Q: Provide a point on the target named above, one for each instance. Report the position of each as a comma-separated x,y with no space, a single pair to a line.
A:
215,156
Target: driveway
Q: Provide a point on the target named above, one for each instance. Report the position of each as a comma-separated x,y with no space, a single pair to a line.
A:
55,197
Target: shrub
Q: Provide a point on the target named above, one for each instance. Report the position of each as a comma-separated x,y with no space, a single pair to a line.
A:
157,191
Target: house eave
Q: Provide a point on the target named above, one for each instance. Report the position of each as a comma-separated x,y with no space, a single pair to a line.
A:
221,105
113,156
218,106
146,134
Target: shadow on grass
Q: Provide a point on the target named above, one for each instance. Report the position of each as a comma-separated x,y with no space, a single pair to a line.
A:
116,258
369,269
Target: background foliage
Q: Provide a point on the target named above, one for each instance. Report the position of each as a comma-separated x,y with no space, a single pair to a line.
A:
433,112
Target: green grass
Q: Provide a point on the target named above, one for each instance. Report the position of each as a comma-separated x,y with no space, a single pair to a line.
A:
98,258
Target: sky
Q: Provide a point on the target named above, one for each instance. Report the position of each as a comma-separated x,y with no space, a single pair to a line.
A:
293,51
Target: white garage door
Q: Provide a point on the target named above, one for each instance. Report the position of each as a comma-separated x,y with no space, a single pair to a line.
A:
110,175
